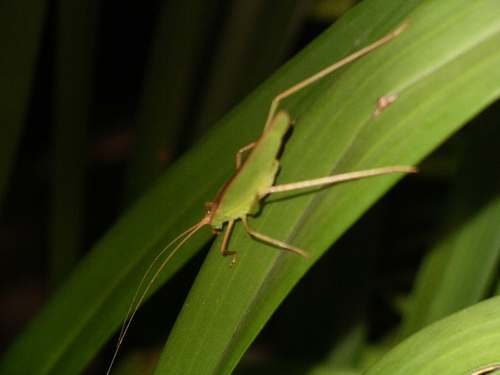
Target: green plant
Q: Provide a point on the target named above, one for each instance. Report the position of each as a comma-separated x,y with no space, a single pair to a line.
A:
445,68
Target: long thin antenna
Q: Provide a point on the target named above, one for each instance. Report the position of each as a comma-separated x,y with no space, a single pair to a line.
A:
135,306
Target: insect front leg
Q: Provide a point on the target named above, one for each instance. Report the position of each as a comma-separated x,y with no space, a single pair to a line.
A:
225,240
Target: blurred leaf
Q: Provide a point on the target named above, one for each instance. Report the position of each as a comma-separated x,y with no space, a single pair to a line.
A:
177,53
461,268
458,344
77,24
256,36
21,24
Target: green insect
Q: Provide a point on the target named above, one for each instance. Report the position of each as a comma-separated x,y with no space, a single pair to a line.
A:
254,178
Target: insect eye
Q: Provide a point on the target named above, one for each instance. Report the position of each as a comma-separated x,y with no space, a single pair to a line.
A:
209,207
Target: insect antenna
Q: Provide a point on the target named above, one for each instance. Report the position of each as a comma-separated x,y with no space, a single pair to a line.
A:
134,306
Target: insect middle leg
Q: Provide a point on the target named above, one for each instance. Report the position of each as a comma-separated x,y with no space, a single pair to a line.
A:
271,240
241,151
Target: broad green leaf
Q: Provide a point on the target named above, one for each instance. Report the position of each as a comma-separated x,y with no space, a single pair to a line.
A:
459,344
433,66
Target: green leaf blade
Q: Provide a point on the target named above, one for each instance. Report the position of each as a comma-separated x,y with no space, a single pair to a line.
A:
458,344
417,122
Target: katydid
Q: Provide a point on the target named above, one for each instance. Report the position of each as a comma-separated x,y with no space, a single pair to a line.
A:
254,178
